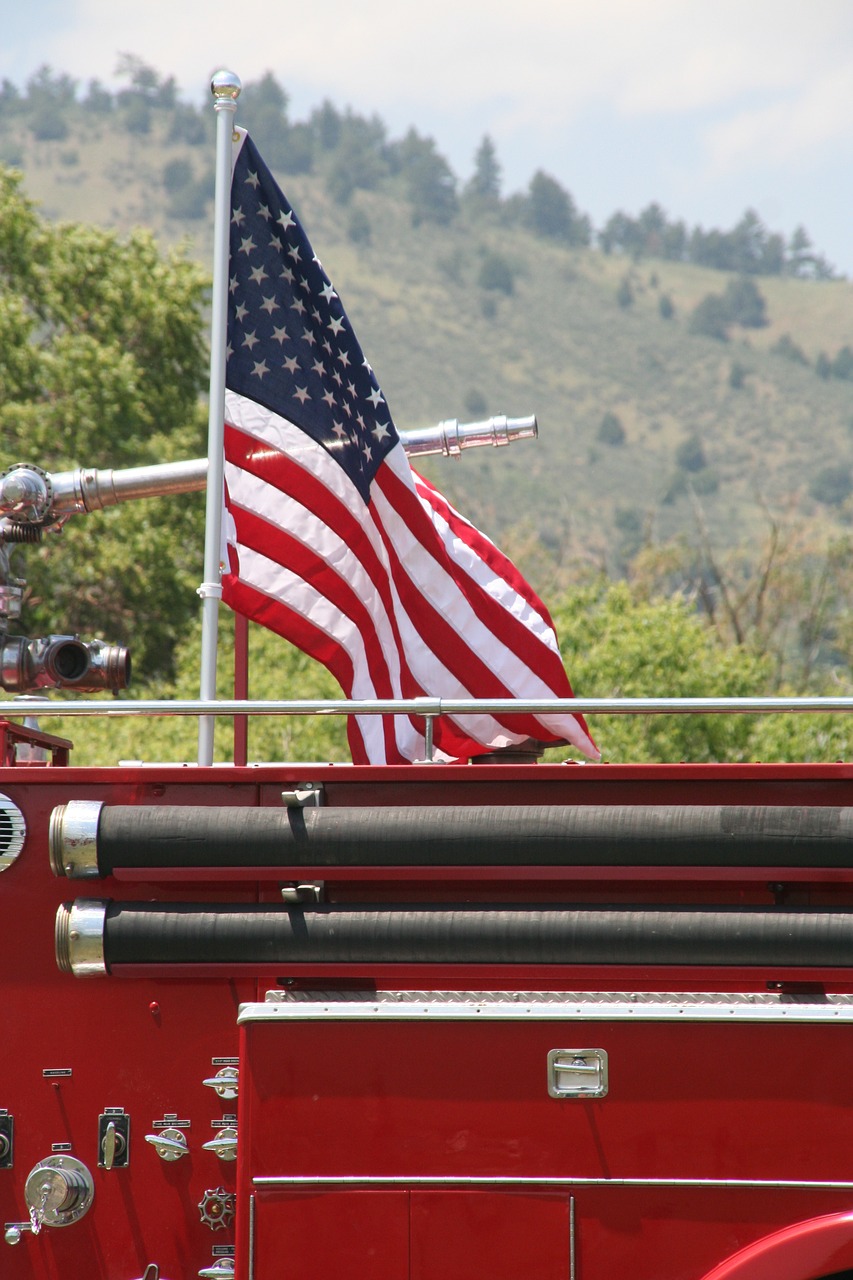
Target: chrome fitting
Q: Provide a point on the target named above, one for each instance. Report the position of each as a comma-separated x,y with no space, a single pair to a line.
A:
73,839
79,938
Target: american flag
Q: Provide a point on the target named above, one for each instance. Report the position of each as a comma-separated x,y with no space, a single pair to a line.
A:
332,540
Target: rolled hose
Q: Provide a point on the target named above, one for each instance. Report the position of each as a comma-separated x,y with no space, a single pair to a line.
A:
88,839
97,937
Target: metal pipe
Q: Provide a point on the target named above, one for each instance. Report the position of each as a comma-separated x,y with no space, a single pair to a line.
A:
437,706
225,87
29,495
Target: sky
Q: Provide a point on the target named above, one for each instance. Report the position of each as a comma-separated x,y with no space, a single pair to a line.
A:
708,107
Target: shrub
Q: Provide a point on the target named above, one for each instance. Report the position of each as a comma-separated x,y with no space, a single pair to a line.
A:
177,174
611,431
842,365
711,318
625,293
738,374
690,455
666,306
787,348
496,273
358,227
832,485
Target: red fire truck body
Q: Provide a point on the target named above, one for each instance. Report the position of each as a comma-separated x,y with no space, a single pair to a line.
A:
495,1020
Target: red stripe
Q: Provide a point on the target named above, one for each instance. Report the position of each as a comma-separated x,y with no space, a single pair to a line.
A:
469,668
482,546
535,655
270,541
272,467
277,617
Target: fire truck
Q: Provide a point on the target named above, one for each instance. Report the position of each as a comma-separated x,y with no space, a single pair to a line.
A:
492,1020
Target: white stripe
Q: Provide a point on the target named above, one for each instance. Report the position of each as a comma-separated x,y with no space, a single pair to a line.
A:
426,667
487,578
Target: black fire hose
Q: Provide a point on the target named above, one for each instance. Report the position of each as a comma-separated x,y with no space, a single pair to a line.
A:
88,839
97,937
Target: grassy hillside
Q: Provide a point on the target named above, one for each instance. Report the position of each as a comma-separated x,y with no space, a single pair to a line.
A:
560,345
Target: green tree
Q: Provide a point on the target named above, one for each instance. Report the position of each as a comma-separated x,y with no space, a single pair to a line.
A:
101,364
616,645
50,100
485,183
551,211
711,318
745,303
496,273
430,183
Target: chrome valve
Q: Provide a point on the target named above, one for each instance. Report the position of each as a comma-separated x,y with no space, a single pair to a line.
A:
170,1144
58,1191
224,1144
225,1083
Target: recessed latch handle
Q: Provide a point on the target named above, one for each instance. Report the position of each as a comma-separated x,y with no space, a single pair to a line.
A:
577,1073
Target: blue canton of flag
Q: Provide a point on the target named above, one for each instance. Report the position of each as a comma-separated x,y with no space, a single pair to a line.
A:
291,346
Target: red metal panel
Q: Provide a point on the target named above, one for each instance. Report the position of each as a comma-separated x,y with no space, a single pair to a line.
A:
459,1235
347,1235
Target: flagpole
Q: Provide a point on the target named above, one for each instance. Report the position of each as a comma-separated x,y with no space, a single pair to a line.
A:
225,87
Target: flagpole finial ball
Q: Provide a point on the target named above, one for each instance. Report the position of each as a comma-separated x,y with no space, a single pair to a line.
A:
225,84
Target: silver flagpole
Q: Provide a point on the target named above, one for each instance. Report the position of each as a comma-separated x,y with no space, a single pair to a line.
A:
225,87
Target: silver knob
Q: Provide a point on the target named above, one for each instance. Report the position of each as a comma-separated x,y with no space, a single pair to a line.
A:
225,1082
170,1144
224,1144
222,1269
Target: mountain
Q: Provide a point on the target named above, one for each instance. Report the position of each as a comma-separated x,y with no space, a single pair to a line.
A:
648,428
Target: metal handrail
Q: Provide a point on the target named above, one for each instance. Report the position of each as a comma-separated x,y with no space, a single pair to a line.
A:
428,707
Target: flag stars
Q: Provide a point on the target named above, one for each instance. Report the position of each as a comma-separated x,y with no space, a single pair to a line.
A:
329,397
301,394
280,334
343,358
291,364
247,244
293,252
258,274
238,217
250,341
351,389
380,431
320,368
264,212
286,219
328,292
335,324
339,429
298,305
232,285
241,312
375,397
260,368
308,336
269,305
252,180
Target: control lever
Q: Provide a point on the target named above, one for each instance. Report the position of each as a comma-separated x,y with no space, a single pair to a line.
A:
170,1144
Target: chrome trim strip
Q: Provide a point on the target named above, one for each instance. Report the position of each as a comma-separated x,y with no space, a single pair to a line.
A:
593,1011
427,706
448,1180
572,1228
251,1258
